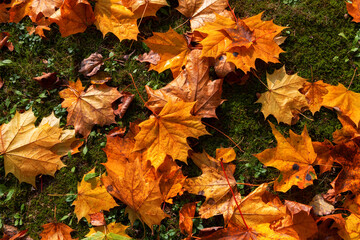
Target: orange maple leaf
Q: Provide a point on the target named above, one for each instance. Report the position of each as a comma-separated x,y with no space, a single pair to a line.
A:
242,41
166,133
345,101
192,84
74,16
85,109
293,157
56,231
314,93
172,48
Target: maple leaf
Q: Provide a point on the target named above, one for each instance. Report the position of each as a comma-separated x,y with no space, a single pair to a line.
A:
201,11
259,210
29,151
171,180
222,67
144,8
166,133
352,226
113,16
345,101
48,80
74,16
91,65
150,57
293,157
172,48
85,109
192,84
348,132
324,157
186,215
212,184
298,222
132,180
92,197
113,231
283,100
56,231
242,41
35,9
321,206
314,93
348,155
136,186
4,13
353,9
4,37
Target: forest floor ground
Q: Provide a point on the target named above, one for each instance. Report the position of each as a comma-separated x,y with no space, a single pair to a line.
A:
322,44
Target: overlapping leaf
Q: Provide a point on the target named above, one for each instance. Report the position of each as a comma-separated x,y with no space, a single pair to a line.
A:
283,99
293,157
192,85
90,107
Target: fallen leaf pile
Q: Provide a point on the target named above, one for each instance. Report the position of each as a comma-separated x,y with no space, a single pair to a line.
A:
143,159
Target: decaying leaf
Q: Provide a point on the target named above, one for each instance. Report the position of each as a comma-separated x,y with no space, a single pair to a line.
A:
92,198
150,57
54,231
314,93
293,157
29,151
320,206
85,109
348,155
126,98
172,48
166,133
192,84
222,67
345,101
283,100
48,80
100,78
4,37
91,65
97,219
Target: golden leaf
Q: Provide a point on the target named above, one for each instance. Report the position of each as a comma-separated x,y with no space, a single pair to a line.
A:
92,198
283,100
293,157
314,93
29,151
166,133
55,231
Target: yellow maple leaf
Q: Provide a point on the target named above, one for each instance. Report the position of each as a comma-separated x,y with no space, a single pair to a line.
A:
352,226
345,101
92,198
293,157
166,133
283,100
29,151
110,231
113,16
90,107
314,93
242,41
144,8
172,48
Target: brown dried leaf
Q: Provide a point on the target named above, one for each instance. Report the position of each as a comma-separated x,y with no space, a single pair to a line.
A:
91,65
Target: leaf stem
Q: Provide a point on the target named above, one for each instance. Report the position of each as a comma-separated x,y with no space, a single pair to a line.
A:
227,179
232,11
352,79
236,145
